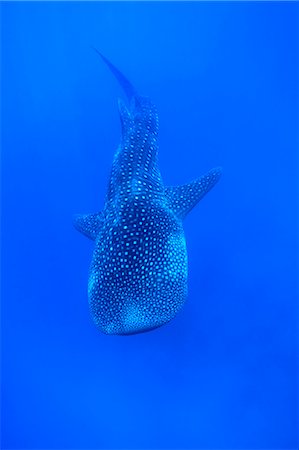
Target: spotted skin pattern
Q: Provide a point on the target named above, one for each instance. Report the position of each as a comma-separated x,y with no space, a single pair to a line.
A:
138,274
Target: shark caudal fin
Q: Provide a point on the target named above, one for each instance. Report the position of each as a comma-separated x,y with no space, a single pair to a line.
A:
128,88
89,224
126,114
183,198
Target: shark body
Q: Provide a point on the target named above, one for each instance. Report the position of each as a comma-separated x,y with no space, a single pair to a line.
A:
138,274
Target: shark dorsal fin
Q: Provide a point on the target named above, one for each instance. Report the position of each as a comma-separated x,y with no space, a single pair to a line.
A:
89,224
183,198
125,116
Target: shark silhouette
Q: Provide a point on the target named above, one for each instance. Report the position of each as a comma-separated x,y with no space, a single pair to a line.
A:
138,274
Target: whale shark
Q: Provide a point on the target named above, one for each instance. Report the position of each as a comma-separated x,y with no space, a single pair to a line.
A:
139,270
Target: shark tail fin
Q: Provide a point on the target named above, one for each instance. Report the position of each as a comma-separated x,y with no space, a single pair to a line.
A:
124,83
89,224
183,198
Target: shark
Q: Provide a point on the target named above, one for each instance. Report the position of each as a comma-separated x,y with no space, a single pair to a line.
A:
138,277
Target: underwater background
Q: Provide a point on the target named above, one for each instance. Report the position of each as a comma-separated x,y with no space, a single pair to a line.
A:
224,77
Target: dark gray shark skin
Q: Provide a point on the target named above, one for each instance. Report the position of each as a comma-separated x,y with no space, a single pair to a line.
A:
138,274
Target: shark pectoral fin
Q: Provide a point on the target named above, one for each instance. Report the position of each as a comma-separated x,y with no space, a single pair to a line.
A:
183,198
89,224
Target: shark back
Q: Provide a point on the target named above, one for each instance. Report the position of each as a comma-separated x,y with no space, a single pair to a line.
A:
138,274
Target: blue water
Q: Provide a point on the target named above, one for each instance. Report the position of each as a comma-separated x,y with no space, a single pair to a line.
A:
222,374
